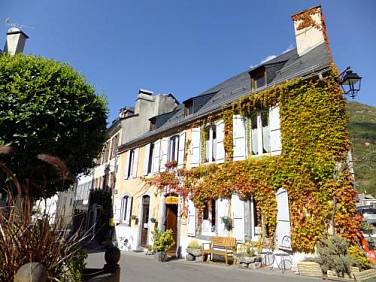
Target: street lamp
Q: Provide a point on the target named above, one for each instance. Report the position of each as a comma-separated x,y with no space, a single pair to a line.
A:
350,82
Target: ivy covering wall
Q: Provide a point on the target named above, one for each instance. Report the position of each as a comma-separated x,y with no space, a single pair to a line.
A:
312,166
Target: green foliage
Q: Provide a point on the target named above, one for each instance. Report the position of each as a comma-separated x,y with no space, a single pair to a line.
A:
332,254
194,245
76,265
362,127
162,240
47,107
358,257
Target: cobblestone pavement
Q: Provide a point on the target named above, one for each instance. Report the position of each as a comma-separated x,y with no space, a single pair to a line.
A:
137,267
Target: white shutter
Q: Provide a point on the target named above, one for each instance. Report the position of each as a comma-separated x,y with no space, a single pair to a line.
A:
239,137
283,230
220,152
191,230
238,217
117,209
164,153
195,147
146,159
181,149
157,147
128,212
275,131
135,163
248,224
127,154
222,211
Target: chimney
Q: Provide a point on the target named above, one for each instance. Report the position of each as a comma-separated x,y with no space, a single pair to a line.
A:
144,98
310,30
16,39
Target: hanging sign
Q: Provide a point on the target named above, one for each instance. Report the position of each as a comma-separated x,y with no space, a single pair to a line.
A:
172,200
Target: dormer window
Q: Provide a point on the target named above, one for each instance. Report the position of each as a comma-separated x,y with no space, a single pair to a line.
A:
188,110
258,78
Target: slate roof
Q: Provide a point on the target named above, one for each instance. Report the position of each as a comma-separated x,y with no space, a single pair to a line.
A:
291,66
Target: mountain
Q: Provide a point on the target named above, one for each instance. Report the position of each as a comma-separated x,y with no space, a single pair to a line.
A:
362,127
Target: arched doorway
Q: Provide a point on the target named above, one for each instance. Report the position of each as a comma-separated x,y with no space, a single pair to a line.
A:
171,220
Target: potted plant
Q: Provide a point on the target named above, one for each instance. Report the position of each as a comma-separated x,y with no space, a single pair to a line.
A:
246,254
163,240
193,250
227,221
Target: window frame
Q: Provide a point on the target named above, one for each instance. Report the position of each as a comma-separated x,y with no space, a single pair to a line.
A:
173,148
260,134
131,163
210,143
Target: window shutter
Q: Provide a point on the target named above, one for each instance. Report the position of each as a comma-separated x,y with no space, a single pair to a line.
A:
220,152
239,137
127,154
135,163
275,131
129,211
181,149
156,151
117,209
238,217
146,159
164,153
222,211
191,219
195,147
283,230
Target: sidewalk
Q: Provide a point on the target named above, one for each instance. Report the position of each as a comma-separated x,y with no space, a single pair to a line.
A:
137,267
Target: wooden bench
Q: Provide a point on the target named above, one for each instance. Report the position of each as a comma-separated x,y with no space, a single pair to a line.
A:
222,246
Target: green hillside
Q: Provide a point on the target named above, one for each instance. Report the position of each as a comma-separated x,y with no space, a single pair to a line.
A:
362,128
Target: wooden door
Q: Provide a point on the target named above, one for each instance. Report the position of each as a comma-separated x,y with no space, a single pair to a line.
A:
172,223
145,220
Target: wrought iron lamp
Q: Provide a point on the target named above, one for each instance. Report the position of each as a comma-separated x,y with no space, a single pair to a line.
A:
350,82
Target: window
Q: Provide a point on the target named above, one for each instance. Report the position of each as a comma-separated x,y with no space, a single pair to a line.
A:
188,110
264,116
114,144
258,79
150,158
211,143
126,209
259,133
131,163
209,217
173,148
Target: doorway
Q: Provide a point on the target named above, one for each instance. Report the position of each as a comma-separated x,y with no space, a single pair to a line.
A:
172,223
145,220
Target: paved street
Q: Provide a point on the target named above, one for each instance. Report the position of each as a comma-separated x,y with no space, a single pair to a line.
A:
136,267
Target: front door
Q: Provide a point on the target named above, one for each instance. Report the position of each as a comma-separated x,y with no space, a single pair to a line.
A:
145,220
172,223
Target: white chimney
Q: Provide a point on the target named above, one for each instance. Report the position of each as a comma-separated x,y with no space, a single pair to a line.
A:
16,39
309,29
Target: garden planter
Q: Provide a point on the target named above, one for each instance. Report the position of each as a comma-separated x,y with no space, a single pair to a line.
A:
309,268
161,256
194,252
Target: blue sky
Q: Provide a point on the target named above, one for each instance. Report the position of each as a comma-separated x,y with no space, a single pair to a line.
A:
184,47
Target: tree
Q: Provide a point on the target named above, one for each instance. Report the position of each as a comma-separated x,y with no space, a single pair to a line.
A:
46,107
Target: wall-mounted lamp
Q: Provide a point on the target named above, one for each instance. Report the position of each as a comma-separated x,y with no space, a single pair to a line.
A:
350,82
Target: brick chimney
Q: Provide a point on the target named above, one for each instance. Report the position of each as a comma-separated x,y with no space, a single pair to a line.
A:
310,30
15,42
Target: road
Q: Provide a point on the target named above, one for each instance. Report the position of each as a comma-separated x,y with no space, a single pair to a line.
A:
136,267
